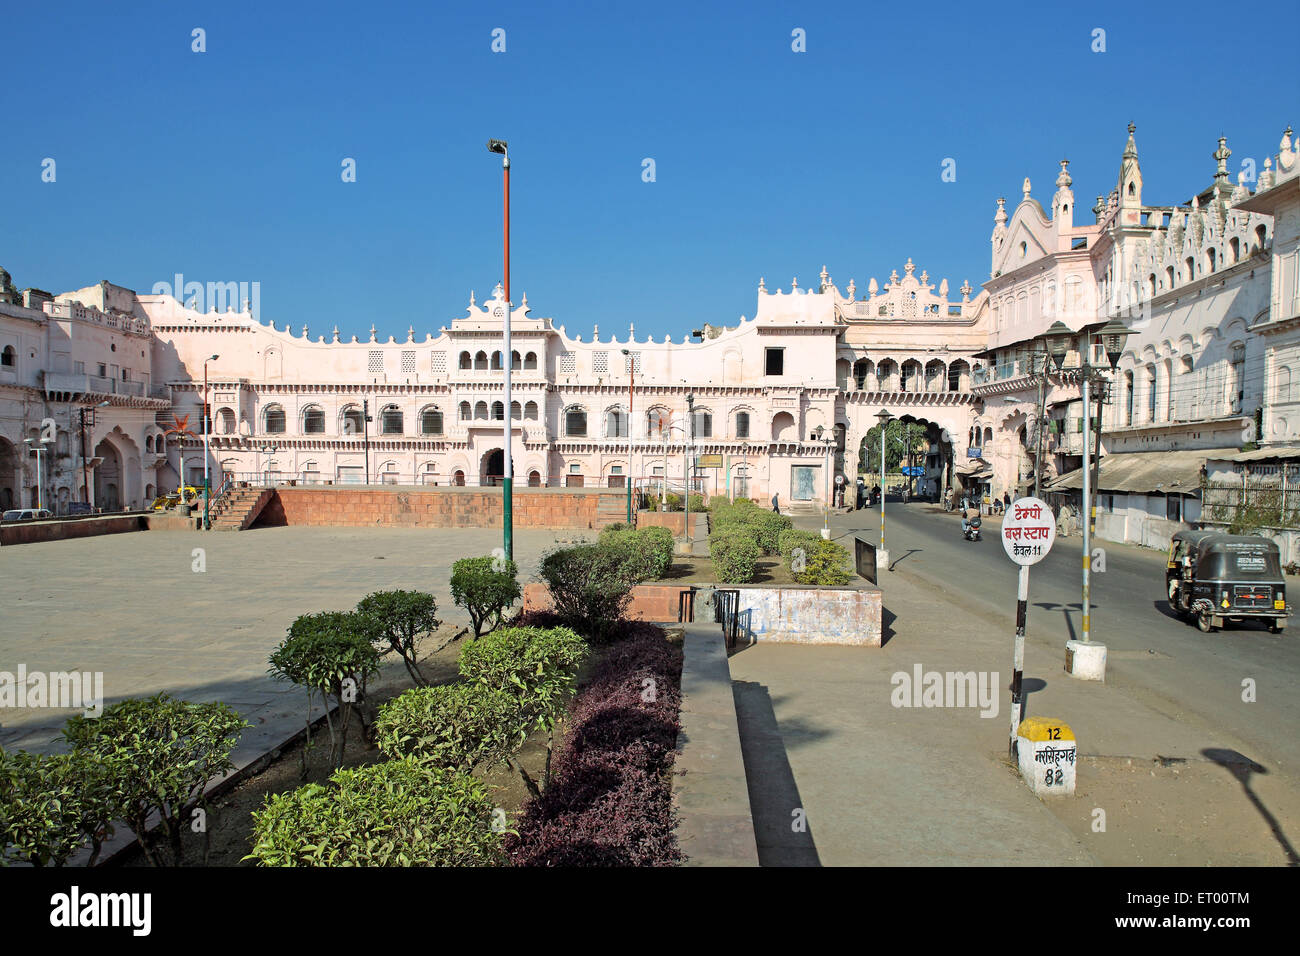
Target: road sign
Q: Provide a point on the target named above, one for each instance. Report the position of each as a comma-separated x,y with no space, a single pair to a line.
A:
708,461
912,471
1028,531
839,479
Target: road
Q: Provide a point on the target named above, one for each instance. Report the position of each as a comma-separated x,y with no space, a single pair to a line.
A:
1193,677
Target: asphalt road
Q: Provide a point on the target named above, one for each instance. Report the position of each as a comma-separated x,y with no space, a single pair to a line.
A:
1192,676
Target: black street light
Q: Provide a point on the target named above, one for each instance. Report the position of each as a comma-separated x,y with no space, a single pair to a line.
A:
1058,342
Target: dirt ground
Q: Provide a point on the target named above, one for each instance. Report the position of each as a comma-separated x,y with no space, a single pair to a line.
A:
699,570
229,815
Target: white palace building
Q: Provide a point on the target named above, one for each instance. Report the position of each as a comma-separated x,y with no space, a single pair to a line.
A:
767,406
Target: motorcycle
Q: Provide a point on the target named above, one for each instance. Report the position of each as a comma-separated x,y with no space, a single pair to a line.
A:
972,530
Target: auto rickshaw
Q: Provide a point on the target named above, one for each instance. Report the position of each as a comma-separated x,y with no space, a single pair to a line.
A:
1212,578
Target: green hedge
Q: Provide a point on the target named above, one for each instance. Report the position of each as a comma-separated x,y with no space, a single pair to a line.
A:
395,813
793,538
826,564
735,555
654,542
453,726
591,584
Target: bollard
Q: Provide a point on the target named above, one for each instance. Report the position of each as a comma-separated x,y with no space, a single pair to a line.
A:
1048,756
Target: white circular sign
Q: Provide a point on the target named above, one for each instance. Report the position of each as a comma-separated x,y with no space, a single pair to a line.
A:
1028,530
839,479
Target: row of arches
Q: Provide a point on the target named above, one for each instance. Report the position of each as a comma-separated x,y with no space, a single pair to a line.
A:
481,362
496,412
889,375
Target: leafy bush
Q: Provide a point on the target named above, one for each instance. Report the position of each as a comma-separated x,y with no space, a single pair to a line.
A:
764,526
672,502
735,555
538,669
792,538
51,805
825,564
591,584
486,588
654,543
157,755
455,726
610,803
398,621
697,503
328,654
394,813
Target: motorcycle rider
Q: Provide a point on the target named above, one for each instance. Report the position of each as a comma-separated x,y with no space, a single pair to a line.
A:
969,514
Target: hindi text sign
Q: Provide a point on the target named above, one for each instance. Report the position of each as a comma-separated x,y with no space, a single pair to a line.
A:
1028,531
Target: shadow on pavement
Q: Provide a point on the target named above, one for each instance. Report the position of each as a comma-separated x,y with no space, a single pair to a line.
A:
1242,767
781,827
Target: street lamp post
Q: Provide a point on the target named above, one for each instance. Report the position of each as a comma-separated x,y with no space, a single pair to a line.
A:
1084,659
267,451
882,556
507,484
690,451
207,493
365,433
631,382
85,468
825,442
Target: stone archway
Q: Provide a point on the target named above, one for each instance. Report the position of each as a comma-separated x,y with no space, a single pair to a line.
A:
119,475
492,468
108,477
10,485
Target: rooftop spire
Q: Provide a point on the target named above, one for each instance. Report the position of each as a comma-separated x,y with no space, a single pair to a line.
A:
1220,156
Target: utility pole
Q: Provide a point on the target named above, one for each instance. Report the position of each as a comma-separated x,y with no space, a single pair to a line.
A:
507,484
365,431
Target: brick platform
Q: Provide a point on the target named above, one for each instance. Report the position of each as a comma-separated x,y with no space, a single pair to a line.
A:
656,603
421,507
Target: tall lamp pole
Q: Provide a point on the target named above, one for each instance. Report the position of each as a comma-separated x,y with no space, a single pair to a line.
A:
507,489
882,556
1113,335
826,445
207,493
690,450
631,382
85,468
365,433
39,446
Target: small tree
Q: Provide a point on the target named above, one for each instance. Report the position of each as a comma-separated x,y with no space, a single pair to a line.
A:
328,654
397,621
591,584
486,588
394,813
536,667
158,754
51,805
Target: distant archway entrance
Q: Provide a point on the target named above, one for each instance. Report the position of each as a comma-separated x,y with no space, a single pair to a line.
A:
492,468
8,475
108,477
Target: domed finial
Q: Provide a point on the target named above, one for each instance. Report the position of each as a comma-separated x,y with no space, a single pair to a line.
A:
1000,217
908,267
304,330
410,333
762,289
794,285
1220,156
1025,188
372,331
472,303
336,333
1063,180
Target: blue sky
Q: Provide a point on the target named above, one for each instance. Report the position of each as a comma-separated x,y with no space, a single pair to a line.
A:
225,165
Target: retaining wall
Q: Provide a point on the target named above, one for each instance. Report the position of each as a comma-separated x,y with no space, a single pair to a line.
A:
28,532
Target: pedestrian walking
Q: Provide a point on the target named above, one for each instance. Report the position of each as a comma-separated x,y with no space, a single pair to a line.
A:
1006,500
776,504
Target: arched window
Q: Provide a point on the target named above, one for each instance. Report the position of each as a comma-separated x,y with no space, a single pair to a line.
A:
313,420
1234,250
391,420
496,361
575,422
465,361
431,421
352,423
1237,381
481,361
1169,277
530,361
480,411
498,411
988,436
1128,398
516,413
516,363
702,422
225,421
1151,393
458,479
534,479
742,424
958,376
1282,387
273,420
1260,234
615,423
8,357
465,412
530,411
656,422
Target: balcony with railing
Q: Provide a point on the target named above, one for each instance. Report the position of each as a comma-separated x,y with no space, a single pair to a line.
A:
99,386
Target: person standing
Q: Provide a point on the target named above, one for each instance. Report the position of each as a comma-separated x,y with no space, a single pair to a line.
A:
776,504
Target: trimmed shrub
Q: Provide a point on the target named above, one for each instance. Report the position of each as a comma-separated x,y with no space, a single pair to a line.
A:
486,588
51,805
454,726
793,538
157,754
658,543
672,502
591,584
394,813
610,803
398,621
735,554
329,654
697,504
825,564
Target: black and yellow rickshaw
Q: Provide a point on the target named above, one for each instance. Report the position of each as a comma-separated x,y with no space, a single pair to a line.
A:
1212,578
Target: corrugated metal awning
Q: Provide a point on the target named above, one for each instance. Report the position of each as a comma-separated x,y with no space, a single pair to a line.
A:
1278,453
1164,472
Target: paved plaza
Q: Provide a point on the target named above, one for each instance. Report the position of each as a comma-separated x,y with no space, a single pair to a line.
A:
132,607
